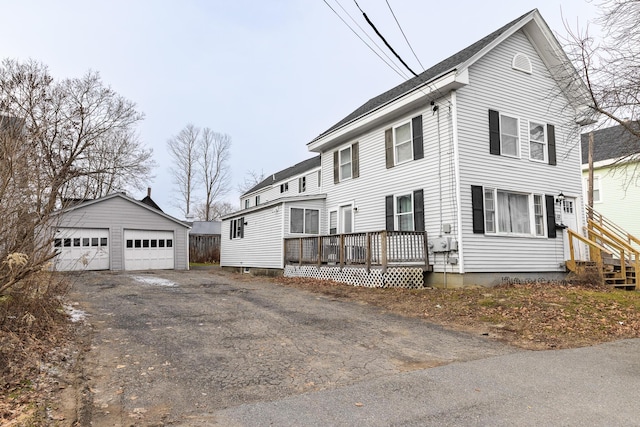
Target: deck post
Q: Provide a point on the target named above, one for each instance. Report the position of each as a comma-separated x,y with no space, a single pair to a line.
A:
341,251
425,249
300,252
319,251
383,250
368,252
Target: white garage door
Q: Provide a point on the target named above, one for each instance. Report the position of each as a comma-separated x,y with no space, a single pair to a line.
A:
148,250
81,249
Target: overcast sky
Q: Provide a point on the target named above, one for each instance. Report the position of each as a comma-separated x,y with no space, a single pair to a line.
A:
272,74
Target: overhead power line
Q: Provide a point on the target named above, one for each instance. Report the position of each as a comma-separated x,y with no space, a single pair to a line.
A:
384,40
404,35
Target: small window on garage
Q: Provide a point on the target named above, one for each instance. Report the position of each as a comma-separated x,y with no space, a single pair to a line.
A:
57,243
76,242
103,241
67,243
154,243
138,243
85,241
161,243
169,243
129,243
145,243
94,241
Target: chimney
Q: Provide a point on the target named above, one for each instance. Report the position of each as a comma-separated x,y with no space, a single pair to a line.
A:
149,192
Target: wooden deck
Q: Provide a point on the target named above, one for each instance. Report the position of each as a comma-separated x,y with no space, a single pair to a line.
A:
376,249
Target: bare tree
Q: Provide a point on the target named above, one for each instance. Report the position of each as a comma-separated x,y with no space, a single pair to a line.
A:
216,211
183,149
58,138
214,167
251,179
610,67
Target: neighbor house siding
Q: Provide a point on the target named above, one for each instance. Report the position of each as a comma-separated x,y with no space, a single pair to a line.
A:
118,214
272,192
262,244
495,85
619,195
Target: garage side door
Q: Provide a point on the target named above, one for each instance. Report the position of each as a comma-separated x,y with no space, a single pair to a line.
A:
81,249
148,250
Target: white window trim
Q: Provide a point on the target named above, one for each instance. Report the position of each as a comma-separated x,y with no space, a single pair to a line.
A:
257,199
410,142
336,210
302,184
396,215
519,144
545,150
340,224
532,214
340,164
597,185
304,221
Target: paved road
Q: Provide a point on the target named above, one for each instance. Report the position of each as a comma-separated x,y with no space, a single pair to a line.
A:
207,348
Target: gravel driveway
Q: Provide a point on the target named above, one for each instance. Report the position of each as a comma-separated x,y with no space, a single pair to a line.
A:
173,348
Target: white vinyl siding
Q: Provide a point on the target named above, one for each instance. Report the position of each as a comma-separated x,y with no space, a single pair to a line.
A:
496,85
272,192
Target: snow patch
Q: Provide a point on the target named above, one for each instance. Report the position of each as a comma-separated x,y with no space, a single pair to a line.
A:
155,281
75,314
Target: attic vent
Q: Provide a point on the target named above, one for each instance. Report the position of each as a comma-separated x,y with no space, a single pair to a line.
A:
521,62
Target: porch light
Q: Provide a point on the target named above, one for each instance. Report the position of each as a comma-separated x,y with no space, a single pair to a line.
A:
560,198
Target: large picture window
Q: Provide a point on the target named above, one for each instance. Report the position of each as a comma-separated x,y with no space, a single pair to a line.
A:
507,212
304,221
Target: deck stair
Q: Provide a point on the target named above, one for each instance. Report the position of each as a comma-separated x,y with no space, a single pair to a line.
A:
614,254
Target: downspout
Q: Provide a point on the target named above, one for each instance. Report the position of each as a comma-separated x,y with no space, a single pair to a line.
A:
456,156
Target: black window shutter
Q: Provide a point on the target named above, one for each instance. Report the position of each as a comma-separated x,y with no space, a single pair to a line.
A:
551,215
418,210
336,170
231,224
388,147
551,144
477,202
355,160
241,227
418,146
389,213
494,132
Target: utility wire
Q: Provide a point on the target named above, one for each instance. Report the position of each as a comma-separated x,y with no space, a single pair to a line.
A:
370,38
384,40
404,35
363,41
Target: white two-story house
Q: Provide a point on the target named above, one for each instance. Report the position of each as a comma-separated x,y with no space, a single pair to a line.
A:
480,154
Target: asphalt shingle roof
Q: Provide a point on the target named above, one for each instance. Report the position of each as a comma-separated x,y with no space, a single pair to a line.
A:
437,70
611,143
297,169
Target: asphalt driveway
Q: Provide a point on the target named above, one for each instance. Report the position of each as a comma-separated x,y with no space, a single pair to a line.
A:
181,348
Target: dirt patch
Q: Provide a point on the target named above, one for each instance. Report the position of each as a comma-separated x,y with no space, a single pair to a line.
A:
533,316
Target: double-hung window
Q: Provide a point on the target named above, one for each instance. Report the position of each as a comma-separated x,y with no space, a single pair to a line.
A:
509,136
537,142
345,163
246,204
304,221
284,187
402,143
302,184
404,212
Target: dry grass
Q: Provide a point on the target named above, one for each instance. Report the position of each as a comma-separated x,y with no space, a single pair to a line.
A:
32,325
532,316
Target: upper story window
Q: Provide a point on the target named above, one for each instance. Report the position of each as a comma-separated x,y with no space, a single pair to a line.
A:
504,138
402,143
284,187
319,178
537,142
302,184
346,164
257,200
246,204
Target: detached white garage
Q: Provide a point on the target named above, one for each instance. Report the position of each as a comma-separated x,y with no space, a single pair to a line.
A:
117,232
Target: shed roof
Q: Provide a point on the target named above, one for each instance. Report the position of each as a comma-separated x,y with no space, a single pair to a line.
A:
611,143
205,227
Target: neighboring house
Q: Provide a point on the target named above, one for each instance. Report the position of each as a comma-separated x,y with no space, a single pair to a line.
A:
204,241
116,232
252,238
616,178
474,151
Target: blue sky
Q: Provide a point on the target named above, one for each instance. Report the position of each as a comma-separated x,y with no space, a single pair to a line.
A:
271,74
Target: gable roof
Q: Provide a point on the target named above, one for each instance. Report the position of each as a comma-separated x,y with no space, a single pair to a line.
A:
540,33
129,199
297,169
613,143
149,201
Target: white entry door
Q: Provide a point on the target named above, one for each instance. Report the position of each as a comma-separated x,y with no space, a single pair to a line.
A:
567,216
148,250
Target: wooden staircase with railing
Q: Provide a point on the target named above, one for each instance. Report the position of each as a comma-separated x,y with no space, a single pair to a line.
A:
614,254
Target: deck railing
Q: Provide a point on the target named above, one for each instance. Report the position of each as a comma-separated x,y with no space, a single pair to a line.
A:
372,249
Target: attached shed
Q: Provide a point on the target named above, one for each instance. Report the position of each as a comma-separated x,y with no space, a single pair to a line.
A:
117,232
